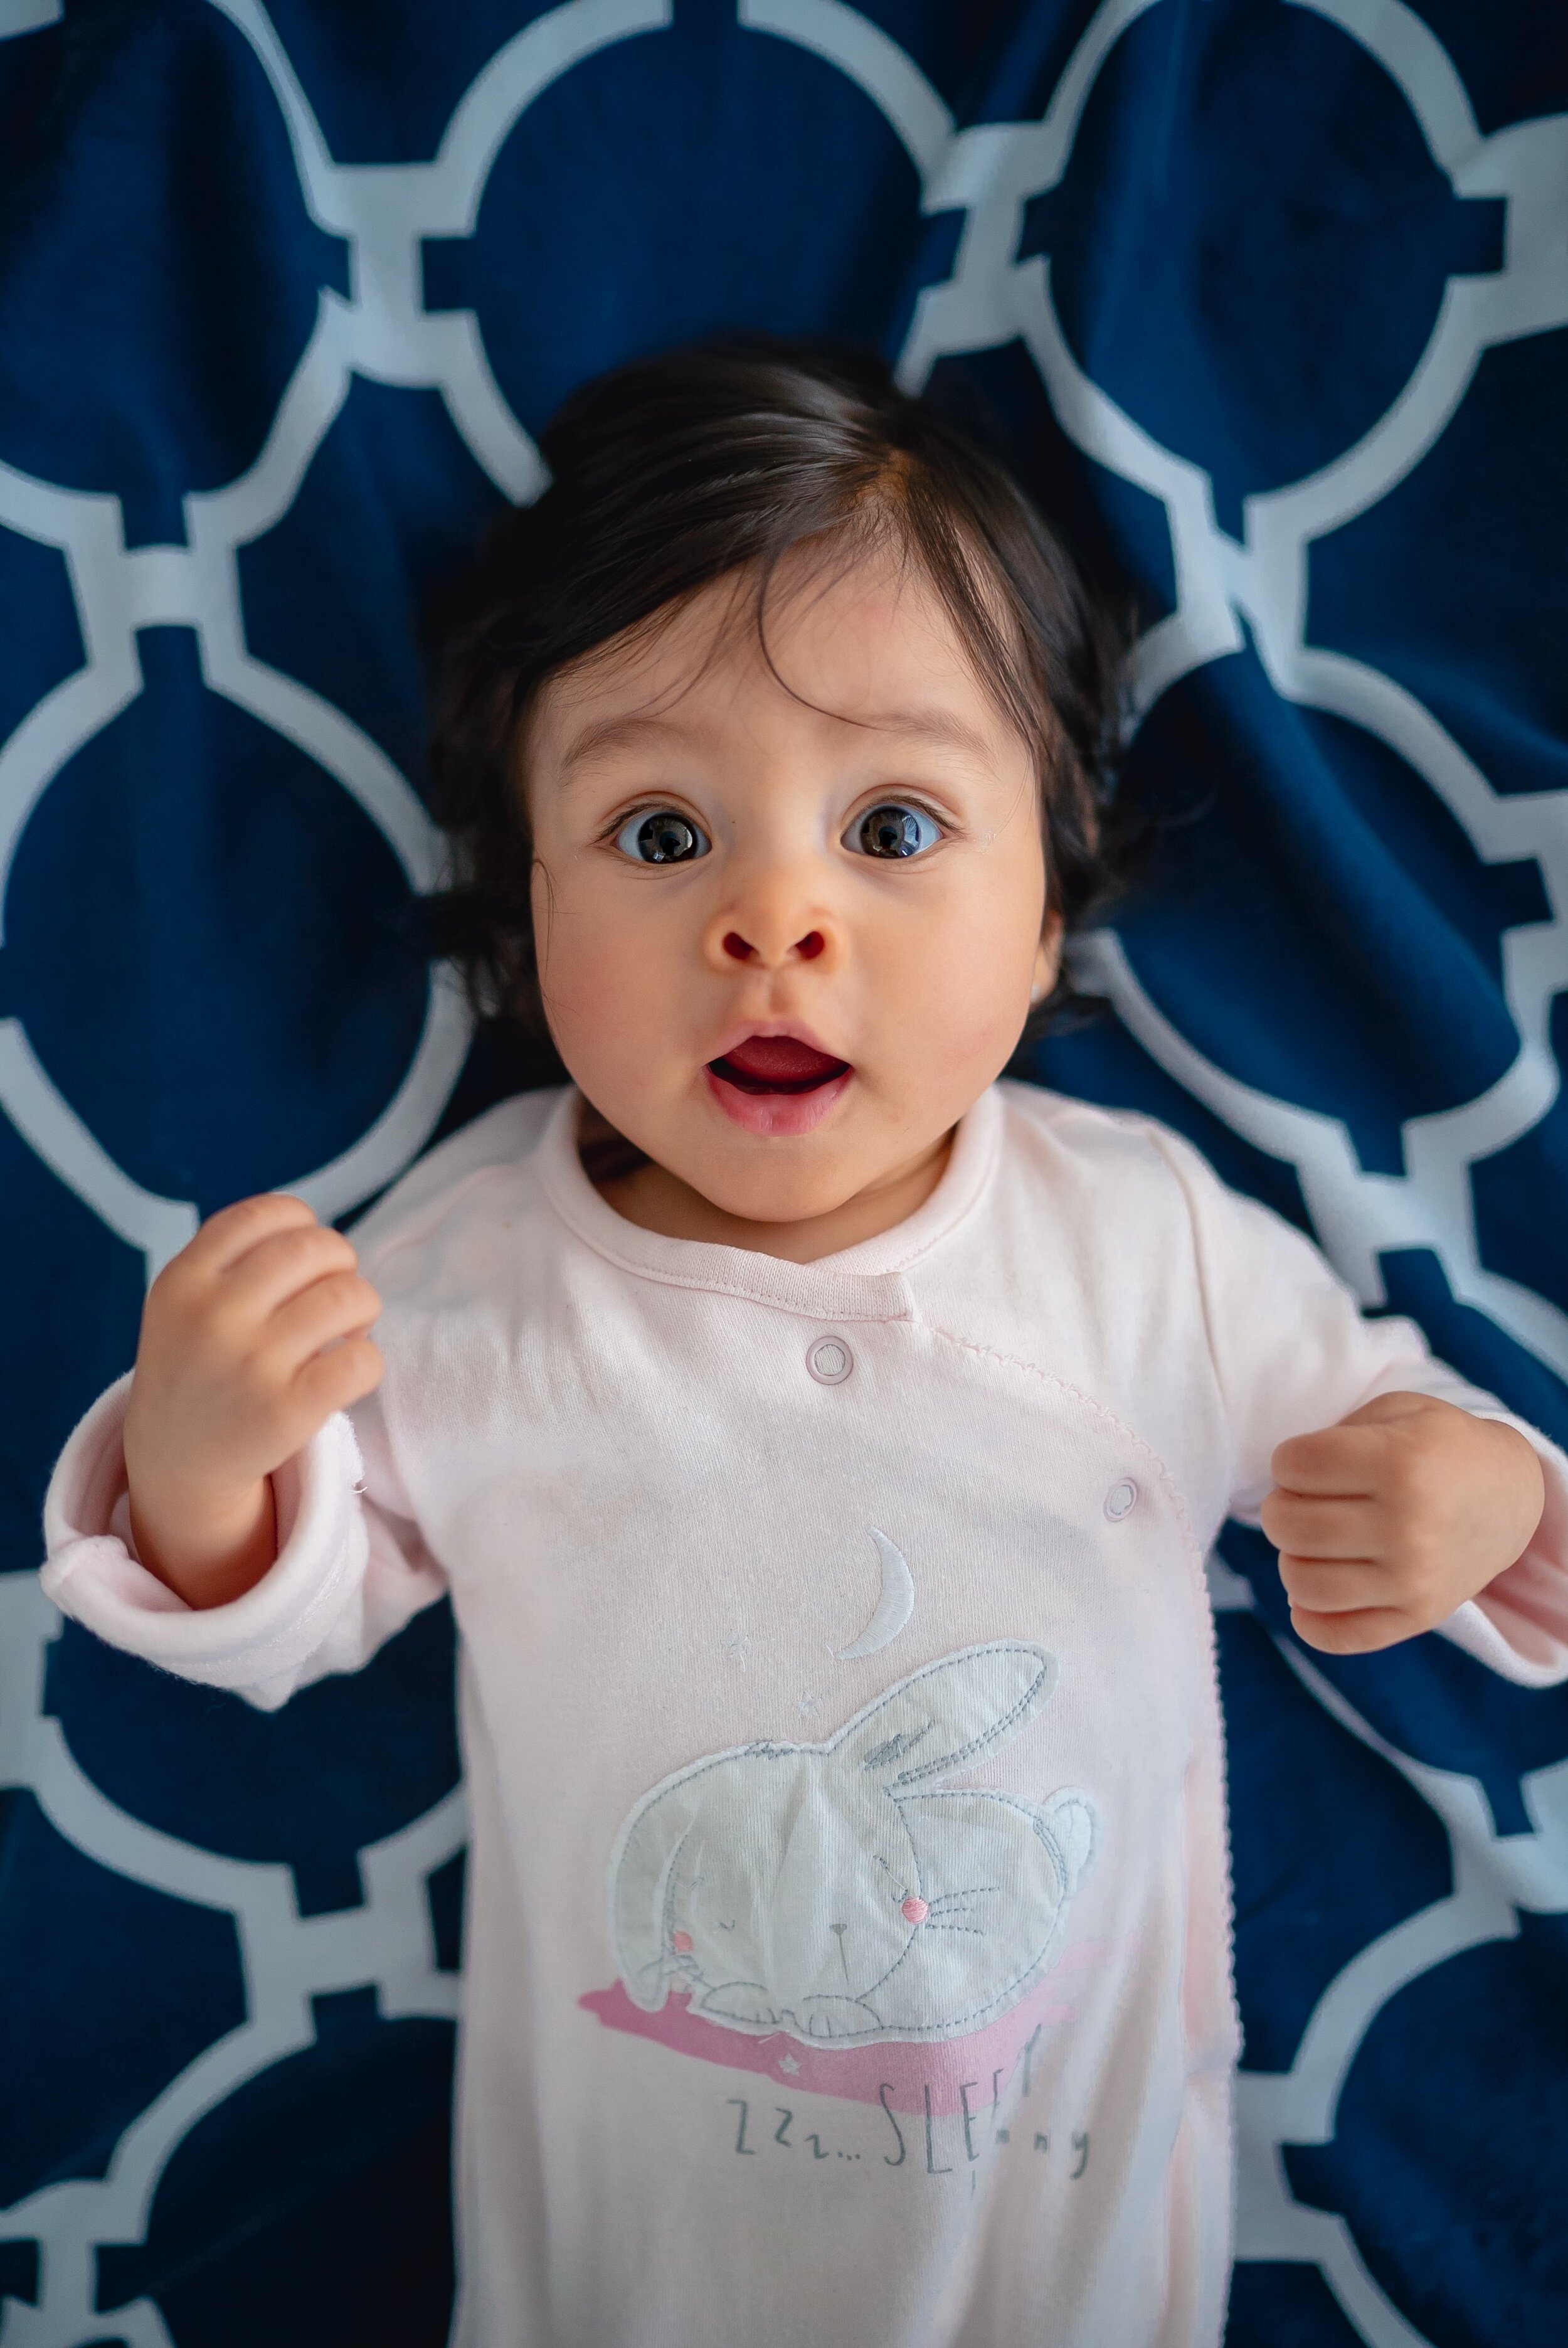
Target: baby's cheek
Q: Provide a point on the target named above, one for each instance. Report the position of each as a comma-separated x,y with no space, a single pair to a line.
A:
618,1012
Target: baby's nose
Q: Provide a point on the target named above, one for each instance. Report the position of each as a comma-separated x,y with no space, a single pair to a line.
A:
775,914
804,949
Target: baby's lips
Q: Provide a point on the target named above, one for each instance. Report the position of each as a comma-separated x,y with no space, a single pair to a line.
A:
777,1063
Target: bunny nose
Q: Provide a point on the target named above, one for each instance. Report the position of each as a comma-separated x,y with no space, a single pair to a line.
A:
915,1909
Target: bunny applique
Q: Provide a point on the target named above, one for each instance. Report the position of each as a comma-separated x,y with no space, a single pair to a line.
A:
843,1893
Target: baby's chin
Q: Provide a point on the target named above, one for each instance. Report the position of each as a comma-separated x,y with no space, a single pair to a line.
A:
703,1167
781,1179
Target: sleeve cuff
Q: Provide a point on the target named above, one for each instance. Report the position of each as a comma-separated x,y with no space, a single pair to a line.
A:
257,1643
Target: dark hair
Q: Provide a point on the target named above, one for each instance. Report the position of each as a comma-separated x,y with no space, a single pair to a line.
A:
675,471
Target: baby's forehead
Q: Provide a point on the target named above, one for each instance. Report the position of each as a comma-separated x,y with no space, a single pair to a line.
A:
865,640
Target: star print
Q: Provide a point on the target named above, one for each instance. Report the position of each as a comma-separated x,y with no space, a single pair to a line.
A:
787,2063
735,1647
810,1705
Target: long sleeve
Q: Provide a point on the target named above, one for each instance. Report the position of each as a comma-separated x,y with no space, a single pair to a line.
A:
1292,1352
350,1567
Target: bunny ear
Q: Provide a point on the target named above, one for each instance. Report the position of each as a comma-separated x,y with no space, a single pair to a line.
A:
949,1715
639,1874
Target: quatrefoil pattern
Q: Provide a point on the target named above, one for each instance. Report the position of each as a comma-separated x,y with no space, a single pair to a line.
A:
1271,297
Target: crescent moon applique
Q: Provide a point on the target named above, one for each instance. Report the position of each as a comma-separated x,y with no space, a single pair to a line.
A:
894,1606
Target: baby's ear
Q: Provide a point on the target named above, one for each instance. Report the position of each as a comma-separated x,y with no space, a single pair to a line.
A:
947,1716
639,1892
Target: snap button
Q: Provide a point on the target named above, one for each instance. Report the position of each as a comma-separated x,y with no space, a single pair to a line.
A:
1120,1500
829,1361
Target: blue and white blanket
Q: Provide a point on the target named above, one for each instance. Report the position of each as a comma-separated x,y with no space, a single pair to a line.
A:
1270,298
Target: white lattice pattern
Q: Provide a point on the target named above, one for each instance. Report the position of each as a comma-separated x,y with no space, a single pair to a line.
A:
989,172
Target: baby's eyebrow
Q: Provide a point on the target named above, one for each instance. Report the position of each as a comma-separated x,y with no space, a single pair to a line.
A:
630,732
639,729
942,726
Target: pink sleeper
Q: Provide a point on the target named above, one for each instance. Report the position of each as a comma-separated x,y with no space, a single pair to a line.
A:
847,1945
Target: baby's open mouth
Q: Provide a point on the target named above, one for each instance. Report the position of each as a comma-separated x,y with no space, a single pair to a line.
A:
777,1064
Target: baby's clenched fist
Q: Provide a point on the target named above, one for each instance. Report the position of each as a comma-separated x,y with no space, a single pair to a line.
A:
250,1339
1388,1521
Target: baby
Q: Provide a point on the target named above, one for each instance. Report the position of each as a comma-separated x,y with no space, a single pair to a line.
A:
820,1441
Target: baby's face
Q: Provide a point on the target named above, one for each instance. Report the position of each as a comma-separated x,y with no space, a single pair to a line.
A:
788,931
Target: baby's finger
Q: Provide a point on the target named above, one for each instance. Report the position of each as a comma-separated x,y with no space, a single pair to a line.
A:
1343,1461
1350,1586
1327,1527
343,1305
234,1230
1351,1635
337,1380
283,1265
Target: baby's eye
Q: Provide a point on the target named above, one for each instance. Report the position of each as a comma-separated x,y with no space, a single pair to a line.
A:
661,838
896,830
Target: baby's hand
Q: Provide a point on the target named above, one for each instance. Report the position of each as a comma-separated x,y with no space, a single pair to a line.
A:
1390,1520
250,1338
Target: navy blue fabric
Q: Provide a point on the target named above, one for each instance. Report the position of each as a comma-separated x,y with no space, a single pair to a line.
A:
211,977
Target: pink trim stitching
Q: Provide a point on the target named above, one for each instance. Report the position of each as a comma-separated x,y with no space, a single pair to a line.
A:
1064,1386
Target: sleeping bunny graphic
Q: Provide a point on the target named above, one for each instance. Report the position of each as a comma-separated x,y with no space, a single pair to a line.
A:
846,1892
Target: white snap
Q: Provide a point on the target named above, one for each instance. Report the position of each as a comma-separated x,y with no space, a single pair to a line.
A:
829,1361
1120,1500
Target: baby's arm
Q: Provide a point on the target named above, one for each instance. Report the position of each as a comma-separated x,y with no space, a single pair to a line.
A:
1402,1498
217,1513
250,1339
